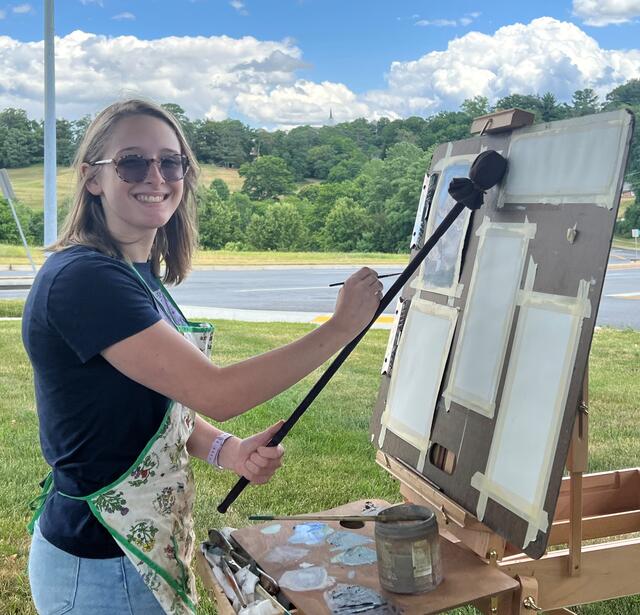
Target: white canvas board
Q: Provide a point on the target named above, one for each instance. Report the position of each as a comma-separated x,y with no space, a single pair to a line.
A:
486,323
575,161
418,369
440,270
533,402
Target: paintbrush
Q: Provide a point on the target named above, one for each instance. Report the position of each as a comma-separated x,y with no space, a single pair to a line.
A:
386,275
345,520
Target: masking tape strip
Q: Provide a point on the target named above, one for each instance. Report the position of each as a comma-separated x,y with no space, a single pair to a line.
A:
577,308
600,141
484,402
427,404
449,149
402,307
426,196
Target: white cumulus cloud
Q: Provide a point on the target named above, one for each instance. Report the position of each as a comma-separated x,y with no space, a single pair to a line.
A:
303,102
219,76
605,12
200,73
544,55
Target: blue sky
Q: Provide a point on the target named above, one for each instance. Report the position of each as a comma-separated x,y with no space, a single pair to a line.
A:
283,62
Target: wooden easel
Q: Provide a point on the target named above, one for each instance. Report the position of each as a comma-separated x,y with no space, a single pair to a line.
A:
590,506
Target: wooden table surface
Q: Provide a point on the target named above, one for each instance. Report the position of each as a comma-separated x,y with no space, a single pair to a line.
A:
466,577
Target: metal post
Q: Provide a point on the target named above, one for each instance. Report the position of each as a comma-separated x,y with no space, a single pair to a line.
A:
7,191
50,205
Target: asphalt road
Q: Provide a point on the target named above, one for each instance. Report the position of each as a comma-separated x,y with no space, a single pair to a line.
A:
307,290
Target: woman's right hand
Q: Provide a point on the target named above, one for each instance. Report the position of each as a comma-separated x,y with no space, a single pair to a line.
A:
357,302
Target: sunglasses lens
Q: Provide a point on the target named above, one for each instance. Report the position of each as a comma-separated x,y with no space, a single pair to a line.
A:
132,169
173,168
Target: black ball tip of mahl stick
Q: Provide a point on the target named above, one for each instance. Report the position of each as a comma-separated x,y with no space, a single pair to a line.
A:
486,171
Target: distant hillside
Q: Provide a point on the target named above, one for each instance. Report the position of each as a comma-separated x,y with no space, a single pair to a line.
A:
28,182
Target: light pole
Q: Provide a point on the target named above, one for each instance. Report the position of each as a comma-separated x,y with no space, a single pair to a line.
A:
50,205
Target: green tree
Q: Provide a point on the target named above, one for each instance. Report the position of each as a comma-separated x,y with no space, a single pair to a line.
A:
390,194
21,139
626,95
528,102
444,126
185,123
266,178
65,142
221,188
550,109
585,102
475,107
347,223
347,169
280,227
244,206
218,221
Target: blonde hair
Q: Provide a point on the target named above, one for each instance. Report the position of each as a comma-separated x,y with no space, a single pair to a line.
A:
86,224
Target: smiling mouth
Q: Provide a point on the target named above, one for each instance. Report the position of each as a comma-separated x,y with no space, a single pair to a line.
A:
150,198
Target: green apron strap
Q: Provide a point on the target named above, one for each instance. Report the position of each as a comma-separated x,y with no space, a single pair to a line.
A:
37,504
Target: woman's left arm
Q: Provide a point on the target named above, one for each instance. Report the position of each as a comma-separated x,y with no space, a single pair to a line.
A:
250,457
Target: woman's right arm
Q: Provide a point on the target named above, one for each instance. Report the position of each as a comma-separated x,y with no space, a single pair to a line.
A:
161,359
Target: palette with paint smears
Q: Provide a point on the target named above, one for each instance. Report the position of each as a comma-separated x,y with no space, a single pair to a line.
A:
345,574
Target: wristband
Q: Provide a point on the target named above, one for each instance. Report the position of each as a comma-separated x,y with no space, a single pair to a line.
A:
216,447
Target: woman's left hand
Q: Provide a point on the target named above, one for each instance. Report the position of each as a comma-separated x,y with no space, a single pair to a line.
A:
251,457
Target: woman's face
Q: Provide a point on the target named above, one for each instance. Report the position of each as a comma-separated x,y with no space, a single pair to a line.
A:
136,210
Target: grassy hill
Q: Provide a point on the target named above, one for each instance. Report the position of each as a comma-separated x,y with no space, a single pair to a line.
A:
28,182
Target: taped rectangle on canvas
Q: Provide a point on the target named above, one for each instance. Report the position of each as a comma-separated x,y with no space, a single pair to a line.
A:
417,373
486,323
532,406
573,161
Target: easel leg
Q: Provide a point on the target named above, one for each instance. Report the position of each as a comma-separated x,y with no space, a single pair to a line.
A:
577,464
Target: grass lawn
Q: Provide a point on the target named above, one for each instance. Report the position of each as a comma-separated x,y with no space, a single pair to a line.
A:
16,256
28,182
322,452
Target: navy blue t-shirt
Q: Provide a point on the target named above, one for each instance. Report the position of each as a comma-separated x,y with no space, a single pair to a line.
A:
94,421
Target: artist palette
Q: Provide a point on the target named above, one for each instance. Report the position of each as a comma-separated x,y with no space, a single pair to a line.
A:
342,568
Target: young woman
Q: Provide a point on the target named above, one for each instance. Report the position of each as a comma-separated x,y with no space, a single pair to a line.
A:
117,369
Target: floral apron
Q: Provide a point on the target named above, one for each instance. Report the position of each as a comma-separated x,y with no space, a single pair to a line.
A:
149,509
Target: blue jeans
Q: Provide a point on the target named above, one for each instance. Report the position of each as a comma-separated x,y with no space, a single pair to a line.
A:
63,583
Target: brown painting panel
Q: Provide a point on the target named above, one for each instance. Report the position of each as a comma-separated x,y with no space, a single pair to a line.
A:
560,267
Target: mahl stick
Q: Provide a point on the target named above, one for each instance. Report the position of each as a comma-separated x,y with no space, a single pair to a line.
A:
486,171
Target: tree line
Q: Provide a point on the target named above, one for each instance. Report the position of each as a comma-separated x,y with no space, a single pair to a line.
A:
351,186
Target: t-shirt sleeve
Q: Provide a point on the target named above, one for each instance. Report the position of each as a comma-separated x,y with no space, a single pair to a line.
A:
97,301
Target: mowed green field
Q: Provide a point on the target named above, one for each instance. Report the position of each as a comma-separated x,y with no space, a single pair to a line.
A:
329,460
28,182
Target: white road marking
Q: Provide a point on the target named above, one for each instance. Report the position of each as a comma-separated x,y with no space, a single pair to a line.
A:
267,290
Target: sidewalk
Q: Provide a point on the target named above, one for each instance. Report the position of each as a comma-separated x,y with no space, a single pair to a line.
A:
193,312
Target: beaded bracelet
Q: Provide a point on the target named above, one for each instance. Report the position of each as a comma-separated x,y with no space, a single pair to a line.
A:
216,447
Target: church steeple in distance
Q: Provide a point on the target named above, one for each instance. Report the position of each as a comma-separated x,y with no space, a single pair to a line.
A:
331,121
